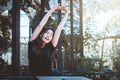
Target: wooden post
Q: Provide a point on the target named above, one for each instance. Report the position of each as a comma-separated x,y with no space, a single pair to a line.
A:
81,31
60,42
16,37
71,38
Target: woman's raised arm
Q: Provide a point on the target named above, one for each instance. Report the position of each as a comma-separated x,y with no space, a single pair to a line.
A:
40,26
60,27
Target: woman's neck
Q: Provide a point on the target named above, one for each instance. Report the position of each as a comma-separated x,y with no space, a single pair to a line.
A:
43,45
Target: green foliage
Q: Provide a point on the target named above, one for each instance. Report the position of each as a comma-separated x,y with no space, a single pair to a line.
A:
3,2
116,57
5,34
88,64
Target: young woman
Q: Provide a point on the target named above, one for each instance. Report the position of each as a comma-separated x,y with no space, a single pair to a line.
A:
43,42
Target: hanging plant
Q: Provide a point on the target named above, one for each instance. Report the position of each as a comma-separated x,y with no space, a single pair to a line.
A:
4,33
3,2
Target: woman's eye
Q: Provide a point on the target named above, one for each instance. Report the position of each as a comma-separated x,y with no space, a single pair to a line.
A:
47,32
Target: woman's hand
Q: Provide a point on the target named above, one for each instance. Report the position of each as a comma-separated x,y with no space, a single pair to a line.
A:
67,10
58,7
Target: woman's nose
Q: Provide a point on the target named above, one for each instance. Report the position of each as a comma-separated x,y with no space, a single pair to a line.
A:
48,35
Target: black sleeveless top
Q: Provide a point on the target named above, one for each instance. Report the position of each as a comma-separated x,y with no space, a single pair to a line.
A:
39,59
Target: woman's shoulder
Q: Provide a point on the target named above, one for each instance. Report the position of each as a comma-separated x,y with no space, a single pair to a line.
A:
52,48
31,43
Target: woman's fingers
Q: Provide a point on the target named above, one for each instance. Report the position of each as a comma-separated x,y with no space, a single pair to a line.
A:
67,10
59,7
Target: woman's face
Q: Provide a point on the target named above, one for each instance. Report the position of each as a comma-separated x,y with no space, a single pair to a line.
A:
47,36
